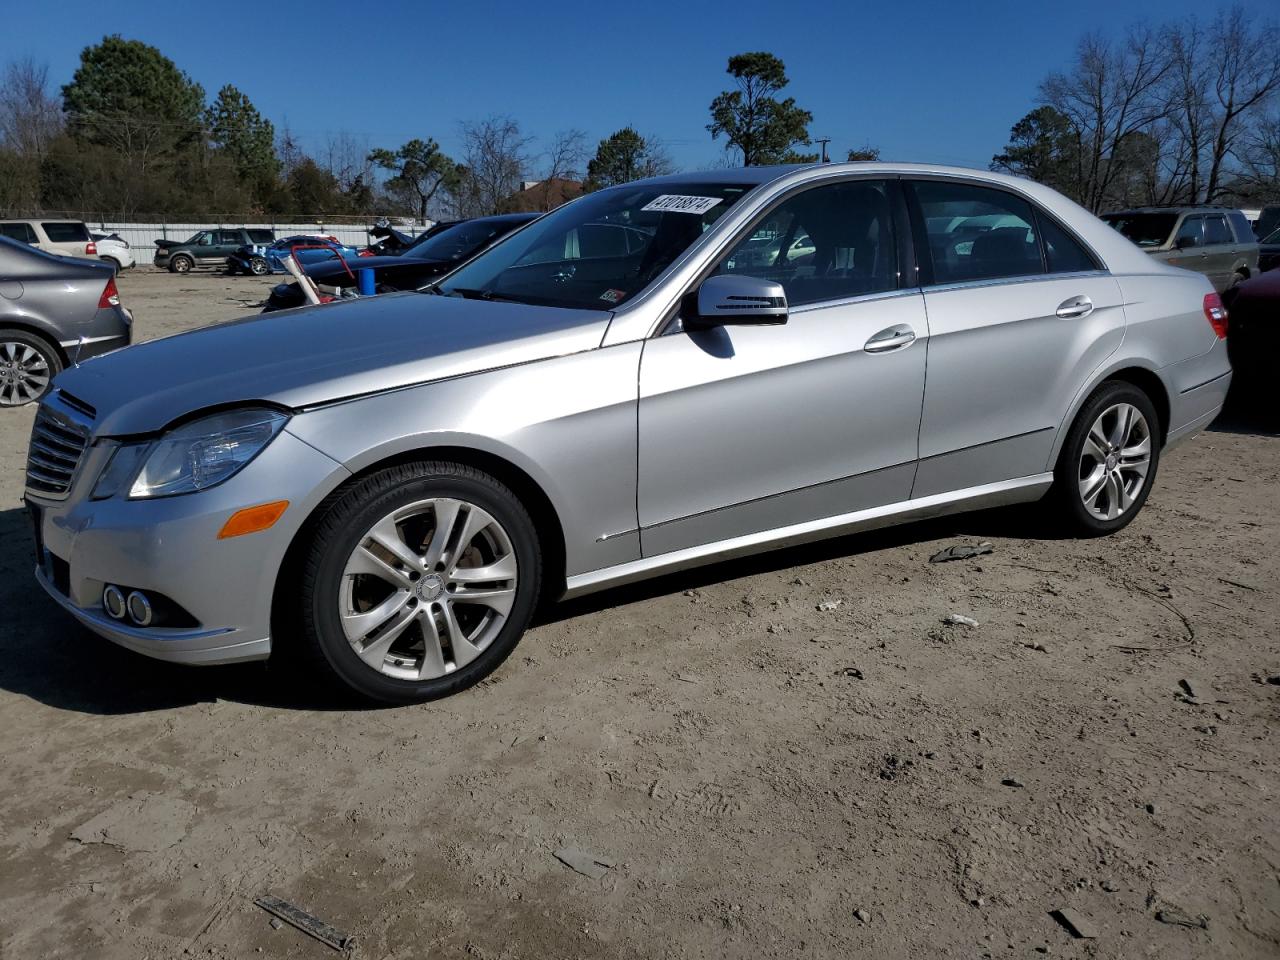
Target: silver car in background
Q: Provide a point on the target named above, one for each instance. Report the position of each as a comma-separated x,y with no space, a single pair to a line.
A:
384,489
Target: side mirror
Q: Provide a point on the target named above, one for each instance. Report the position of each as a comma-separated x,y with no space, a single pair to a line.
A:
731,299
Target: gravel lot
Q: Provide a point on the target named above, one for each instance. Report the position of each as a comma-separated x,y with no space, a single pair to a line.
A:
768,779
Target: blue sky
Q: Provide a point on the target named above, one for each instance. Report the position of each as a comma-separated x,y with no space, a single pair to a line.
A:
926,80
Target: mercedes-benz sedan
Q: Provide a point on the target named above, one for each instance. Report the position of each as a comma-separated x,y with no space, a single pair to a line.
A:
386,488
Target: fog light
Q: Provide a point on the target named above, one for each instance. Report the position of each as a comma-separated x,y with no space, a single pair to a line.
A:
113,602
139,609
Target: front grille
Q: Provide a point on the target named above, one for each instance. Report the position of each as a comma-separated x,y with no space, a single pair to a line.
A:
57,444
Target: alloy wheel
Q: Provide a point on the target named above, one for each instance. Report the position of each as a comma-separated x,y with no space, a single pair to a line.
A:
259,267
427,588
1115,461
24,373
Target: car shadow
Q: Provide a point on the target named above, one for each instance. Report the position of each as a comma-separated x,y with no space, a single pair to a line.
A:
49,657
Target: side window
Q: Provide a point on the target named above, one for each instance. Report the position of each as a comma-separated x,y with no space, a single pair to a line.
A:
1063,253
1216,230
66,232
21,232
977,233
1243,229
205,239
1190,234
230,237
827,243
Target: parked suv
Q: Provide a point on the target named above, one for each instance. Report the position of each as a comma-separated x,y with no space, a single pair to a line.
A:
208,248
1215,241
385,488
67,238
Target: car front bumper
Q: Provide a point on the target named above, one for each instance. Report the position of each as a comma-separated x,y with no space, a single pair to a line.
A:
169,548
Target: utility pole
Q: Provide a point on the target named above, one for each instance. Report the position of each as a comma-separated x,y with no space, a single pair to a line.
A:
824,141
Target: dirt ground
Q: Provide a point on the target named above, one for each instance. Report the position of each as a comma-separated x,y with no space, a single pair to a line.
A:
766,778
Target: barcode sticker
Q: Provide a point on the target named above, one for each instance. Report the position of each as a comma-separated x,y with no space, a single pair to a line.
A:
674,203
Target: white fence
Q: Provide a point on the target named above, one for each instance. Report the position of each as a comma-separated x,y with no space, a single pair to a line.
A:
142,236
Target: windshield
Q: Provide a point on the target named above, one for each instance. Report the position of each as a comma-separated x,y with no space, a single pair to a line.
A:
1144,229
597,252
458,242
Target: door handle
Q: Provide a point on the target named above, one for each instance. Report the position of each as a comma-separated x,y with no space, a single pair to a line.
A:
890,338
1075,308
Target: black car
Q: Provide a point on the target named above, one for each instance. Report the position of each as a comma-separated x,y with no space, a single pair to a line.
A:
432,256
1269,251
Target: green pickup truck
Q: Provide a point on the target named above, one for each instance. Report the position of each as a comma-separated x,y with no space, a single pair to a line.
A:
208,248
1215,241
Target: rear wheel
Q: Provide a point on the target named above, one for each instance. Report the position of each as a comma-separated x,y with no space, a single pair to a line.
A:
419,581
1108,462
181,264
28,364
259,267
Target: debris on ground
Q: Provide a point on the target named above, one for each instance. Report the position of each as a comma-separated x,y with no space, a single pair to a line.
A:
276,923
1188,689
961,551
1037,646
960,620
827,606
862,916
1012,782
587,864
687,678
849,672
145,823
1075,924
1180,918
308,924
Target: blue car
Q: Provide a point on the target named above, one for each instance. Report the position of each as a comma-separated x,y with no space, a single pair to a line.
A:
262,259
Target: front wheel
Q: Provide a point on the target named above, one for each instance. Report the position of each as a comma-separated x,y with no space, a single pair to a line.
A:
1108,462
259,266
419,581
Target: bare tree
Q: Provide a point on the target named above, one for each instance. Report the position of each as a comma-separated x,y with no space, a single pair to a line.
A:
496,159
1109,94
1245,74
30,116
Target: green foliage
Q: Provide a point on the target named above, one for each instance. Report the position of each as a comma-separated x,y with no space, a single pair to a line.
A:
624,156
419,169
129,95
1043,146
867,153
751,118
245,138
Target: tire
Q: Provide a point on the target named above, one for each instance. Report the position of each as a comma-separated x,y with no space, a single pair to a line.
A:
1237,278
28,364
1123,460
259,267
181,263
354,593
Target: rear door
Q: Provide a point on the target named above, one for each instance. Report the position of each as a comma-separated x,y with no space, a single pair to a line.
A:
20,231
1220,249
1020,314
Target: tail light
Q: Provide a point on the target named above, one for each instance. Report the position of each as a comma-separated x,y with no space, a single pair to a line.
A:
110,296
90,249
1216,314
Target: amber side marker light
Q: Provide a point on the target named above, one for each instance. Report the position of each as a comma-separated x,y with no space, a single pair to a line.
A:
253,519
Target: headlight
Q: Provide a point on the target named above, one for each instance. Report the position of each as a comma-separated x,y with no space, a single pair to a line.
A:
194,456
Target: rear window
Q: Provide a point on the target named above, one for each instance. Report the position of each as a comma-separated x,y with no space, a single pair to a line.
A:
21,232
261,236
66,232
1242,227
1144,229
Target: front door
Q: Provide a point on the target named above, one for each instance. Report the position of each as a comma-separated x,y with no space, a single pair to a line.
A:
1020,315
744,429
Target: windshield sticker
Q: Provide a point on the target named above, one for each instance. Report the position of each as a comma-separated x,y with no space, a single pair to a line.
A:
613,296
674,203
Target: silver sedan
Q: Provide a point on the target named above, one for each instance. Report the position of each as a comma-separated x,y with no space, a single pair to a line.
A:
633,384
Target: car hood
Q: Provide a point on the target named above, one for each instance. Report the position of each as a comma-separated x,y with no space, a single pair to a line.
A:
311,355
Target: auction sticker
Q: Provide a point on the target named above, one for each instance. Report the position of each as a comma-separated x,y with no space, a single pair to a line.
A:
675,203
613,296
